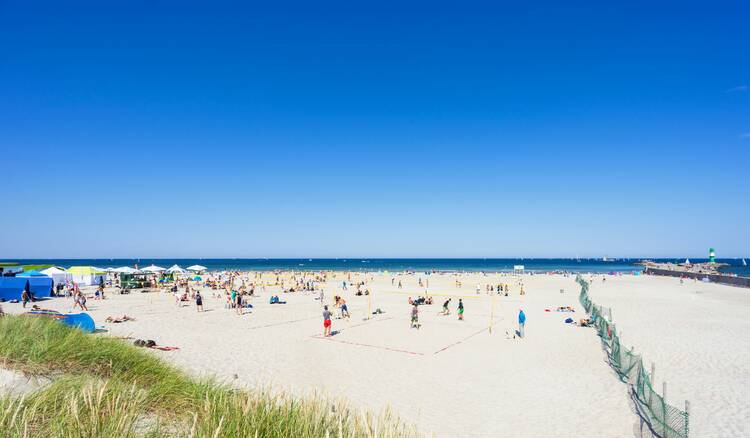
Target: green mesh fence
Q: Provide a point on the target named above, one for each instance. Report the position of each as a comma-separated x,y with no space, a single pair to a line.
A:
664,419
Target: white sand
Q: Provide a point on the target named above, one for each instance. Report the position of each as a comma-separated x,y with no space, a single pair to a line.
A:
455,379
698,335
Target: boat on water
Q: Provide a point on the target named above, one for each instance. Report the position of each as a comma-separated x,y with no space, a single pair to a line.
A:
687,261
744,263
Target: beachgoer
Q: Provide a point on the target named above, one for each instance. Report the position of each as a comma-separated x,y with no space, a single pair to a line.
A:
82,301
460,309
344,308
25,297
415,316
238,304
199,301
326,321
521,323
446,310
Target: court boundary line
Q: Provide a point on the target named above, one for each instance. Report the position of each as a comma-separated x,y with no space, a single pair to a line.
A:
280,323
359,344
460,341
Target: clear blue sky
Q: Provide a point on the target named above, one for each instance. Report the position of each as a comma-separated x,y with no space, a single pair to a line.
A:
378,129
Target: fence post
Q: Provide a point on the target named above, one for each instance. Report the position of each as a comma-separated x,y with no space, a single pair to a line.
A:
664,408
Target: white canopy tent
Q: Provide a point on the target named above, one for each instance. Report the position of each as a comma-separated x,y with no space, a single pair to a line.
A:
59,276
197,268
176,270
154,269
126,270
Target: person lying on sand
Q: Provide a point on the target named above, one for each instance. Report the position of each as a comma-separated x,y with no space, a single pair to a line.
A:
564,309
116,319
35,307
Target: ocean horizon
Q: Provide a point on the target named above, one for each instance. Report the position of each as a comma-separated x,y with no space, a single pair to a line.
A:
386,264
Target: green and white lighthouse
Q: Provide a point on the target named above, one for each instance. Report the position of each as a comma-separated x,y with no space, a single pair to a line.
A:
711,255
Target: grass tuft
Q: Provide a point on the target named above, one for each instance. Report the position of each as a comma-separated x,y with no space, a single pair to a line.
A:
106,387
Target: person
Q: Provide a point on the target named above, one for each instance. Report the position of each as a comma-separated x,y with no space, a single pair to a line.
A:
460,309
521,323
446,310
415,316
118,319
344,309
238,304
25,297
326,322
198,301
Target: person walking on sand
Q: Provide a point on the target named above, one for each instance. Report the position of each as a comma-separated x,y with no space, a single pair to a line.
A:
521,323
25,298
239,304
460,309
415,316
199,301
446,310
326,322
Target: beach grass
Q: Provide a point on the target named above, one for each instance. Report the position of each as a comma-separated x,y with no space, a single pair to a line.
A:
103,386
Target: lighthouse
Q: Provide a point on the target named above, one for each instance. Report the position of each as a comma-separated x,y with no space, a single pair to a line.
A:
711,255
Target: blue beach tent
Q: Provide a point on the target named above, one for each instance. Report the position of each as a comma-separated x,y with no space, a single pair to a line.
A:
11,288
32,273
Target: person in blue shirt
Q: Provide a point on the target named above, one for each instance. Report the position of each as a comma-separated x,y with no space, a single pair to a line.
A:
521,323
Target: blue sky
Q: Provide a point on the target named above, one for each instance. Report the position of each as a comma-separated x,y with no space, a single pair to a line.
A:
379,129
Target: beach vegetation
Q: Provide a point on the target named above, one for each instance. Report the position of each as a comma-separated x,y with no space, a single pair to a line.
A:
103,386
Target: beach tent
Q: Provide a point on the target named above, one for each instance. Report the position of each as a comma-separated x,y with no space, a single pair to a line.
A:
197,268
86,275
153,269
126,270
176,270
59,276
32,273
12,287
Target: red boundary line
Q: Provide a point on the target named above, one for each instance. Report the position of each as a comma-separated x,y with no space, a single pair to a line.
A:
281,323
458,342
368,345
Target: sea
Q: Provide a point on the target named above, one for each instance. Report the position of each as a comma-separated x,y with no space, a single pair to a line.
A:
388,264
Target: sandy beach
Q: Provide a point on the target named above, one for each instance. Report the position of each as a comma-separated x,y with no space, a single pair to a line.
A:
455,378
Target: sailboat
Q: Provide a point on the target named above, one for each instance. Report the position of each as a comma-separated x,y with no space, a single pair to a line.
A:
744,263
687,261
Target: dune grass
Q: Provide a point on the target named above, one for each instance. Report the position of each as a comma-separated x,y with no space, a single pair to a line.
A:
106,387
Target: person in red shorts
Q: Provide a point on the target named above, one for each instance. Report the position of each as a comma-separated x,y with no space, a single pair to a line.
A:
326,322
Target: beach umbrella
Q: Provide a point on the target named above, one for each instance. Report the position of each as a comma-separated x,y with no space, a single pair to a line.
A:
126,270
196,268
196,278
153,268
176,270
27,288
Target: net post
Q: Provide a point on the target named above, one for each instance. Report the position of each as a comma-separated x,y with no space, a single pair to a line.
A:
664,408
